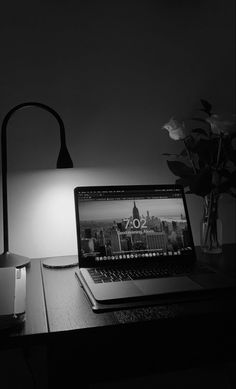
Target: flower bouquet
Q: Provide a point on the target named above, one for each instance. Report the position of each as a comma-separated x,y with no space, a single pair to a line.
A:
206,166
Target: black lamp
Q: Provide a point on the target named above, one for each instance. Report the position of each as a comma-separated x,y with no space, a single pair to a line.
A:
8,259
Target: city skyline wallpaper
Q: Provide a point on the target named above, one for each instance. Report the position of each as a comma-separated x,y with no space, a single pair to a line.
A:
133,228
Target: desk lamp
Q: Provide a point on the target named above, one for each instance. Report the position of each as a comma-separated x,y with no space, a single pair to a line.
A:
8,259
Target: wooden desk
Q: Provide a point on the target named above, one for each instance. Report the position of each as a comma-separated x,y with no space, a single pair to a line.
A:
123,343
36,319
132,342
23,350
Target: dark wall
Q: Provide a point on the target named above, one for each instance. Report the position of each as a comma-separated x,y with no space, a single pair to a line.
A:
115,71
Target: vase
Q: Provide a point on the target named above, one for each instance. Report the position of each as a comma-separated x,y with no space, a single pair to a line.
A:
211,225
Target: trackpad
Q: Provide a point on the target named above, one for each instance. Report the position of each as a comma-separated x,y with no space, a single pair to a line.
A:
167,285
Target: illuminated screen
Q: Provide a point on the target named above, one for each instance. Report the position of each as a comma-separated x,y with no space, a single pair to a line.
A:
125,225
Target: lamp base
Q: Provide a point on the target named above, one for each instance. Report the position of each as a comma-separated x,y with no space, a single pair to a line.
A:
61,262
13,260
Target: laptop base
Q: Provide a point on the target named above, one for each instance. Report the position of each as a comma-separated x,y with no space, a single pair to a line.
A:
172,298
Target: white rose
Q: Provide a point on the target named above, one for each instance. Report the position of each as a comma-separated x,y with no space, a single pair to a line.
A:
176,130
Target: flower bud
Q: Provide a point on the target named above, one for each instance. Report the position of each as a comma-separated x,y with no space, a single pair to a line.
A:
219,124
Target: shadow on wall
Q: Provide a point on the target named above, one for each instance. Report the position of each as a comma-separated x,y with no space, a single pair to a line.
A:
41,207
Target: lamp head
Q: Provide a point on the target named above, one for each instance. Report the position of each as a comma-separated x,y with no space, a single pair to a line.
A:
64,160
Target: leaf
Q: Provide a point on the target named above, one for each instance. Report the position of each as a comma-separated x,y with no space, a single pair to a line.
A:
224,187
201,163
199,120
190,143
229,151
183,153
183,181
232,135
228,184
206,150
232,193
224,173
207,107
170,155
232,156
202,183
232,179
199,131
180,169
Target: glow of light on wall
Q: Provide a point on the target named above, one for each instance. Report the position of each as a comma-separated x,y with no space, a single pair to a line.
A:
41,207
41,214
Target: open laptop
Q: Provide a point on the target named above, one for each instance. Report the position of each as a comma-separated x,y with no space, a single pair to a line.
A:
135,243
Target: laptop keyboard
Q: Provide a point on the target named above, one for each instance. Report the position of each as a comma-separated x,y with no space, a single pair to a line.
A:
102,275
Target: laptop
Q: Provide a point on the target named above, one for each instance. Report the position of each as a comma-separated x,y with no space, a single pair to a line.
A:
135,244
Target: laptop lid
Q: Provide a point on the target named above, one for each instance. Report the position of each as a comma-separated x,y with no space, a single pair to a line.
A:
141,224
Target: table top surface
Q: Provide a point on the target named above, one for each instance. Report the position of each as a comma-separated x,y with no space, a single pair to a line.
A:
56,302
181,335
69,309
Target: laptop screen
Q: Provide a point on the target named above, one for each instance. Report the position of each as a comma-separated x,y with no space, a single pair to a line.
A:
131,223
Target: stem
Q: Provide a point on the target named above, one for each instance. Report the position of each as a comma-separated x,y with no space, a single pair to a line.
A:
211,224
219,152
209,209
190,158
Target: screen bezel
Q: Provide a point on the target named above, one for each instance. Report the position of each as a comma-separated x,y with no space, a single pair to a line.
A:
87,262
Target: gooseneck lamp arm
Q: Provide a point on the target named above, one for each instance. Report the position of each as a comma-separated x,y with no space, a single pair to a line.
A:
63,161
